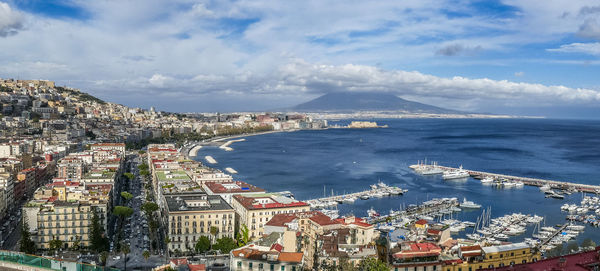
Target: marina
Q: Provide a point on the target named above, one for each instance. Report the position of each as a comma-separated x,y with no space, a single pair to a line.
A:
507,180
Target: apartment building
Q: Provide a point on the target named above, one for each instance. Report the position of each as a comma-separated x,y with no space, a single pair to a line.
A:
256,210
191,215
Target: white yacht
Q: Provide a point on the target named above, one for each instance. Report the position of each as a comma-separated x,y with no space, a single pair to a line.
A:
469,204
545,187
456,174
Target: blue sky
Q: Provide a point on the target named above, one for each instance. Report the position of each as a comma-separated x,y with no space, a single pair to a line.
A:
509,56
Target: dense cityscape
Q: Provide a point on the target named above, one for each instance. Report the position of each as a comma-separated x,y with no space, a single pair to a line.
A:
85,182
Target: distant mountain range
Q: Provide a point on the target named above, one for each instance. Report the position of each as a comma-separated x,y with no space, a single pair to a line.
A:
345,102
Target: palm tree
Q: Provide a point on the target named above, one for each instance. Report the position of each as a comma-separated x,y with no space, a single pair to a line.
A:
214,231
146,255
125,250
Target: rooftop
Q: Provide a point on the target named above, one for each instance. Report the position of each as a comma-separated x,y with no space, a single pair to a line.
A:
503,248
172,175
267,201
232,187
195,202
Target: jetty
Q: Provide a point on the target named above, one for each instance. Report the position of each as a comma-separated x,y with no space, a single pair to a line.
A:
560,185
379,190
231,170
431,207
547,240
226,145
210,159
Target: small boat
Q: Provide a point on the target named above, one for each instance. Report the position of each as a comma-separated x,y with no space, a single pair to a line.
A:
364,197
372,213
487,180
545,187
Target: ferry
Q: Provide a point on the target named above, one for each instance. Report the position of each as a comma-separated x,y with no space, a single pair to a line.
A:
458,174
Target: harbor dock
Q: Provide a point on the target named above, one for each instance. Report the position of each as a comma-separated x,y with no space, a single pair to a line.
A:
226,145
525,180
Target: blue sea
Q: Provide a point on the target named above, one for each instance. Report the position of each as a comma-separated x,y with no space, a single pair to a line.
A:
349,160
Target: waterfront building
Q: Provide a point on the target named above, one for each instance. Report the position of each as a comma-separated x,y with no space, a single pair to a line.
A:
255,211
581,261
190,216
417,256
476,257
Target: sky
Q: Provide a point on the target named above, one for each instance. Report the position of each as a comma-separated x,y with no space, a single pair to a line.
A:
525,57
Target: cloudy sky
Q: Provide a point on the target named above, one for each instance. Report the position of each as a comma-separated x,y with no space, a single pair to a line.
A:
510,56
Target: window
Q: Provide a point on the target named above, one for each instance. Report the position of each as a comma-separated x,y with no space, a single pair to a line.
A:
272,267
491,256
239,264
282,268
250,266
501,255
512,254
491,266
524,261
260,266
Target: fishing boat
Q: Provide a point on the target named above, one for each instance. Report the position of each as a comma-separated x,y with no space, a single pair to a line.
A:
364,197
372,213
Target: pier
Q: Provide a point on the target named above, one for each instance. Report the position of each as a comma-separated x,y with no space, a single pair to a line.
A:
545,241
423,209
526,180
226,145
377,191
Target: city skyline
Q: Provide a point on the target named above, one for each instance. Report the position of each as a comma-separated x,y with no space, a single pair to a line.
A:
509,57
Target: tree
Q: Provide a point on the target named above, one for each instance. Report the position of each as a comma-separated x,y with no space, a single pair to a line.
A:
372,264
129,176
144,172
26,245
572,246
98,241
126,195
146,255
588,243
125,250
225,244
244,236
149,208
122,211
55,244
143,167
103,257
203,244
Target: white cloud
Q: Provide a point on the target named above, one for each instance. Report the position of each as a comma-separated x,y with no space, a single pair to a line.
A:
583,48
181,46
589,29
519,74
11,21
